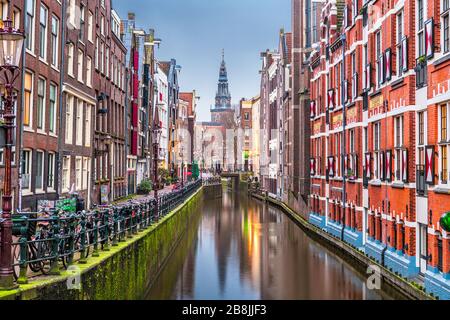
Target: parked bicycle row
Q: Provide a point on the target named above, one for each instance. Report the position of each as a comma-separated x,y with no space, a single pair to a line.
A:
45,241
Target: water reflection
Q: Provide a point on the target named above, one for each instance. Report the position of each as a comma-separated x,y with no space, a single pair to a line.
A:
240,248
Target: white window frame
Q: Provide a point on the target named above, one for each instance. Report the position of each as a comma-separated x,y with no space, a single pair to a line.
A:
399,123
445,36
78,173
30,26
85,173
65,183
399,18
444,144
43,109
26,168
55,42
79,123
90,26
70,100
87,125
51,161
70,58
30,125
54,107
41,188
89,71
376,150
43,25
80,60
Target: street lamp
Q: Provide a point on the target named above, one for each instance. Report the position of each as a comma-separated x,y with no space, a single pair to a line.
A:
11,44
156,135
181,154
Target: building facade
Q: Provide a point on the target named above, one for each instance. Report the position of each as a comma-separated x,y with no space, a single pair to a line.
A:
378,110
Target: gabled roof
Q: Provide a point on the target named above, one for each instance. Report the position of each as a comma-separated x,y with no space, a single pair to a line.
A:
188,97
165,66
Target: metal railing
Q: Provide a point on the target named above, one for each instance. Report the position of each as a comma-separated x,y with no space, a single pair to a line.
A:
45,241
212,181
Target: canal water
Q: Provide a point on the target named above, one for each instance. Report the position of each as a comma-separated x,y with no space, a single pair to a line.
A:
236,247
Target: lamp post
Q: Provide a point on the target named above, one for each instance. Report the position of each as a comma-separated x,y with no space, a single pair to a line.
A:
156,136
181,154
11,44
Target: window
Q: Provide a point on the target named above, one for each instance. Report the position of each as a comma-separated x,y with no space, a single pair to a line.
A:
43,32
102,56
78,173
81,34
66,173
79,127
352,141
41,105
102,25
80,66
51,171
376,149
90,24
39,170
3,10
398,122
69,119
445,17
379,57
55,42
107,62
70,59
16,19
96,54
444,122
28,100
88,71
399,39
29,25
420,28
87,126
1,157
52,109
444,143
85,173
26,170
71,15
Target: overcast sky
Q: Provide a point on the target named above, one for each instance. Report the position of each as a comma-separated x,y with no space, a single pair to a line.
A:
195,31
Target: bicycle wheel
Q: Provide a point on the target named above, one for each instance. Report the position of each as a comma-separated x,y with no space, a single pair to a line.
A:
16,259
45,251
34,255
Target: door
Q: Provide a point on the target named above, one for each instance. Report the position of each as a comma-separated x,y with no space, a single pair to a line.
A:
423,244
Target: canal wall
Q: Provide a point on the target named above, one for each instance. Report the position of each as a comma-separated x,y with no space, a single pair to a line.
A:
349,253
124,272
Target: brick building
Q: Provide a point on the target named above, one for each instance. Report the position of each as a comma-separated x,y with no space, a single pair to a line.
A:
108,154
379,122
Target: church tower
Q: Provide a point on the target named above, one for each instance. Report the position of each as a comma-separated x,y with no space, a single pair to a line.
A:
223,96
222,112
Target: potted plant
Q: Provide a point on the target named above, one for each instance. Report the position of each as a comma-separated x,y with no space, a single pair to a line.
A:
145,187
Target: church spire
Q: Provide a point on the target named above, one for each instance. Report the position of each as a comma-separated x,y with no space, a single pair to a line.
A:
223,96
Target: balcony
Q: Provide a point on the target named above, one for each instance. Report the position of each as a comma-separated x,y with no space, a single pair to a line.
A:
421,186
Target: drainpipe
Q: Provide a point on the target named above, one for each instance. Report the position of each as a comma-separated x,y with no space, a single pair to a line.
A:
20,136
344,122
61,83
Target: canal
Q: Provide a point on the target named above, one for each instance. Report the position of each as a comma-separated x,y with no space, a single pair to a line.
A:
237,247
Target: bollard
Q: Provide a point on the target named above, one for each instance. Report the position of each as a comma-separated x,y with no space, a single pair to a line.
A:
23,245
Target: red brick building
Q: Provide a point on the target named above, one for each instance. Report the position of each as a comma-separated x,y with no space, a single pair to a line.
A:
109,157
380,184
